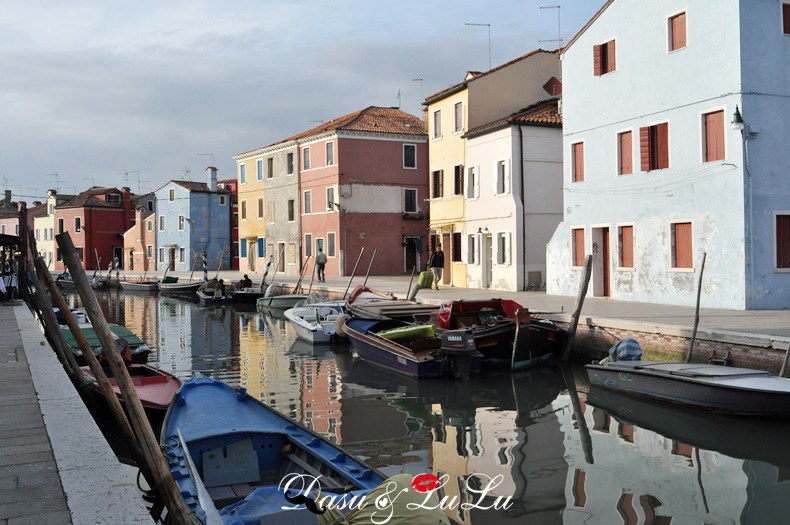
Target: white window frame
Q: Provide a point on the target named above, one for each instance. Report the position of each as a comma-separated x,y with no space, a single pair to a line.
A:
669,31
308,244
616,51
288,173
223,200
506,175
322,242
259,170
61,224
242,173
162,224
773,228
307,210
149,225
77,224
416,200
296,212
703,130
330,207
472,242
437,132
507,255
261,208
326,245
182,222
182,255
463,179
617,266
617,154
414,146
693,247
329,150
457,130
571,241
669,146
171,195
584,160
306,158
161,254
149,251
476,186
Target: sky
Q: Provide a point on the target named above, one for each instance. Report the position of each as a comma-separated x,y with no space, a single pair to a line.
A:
105,92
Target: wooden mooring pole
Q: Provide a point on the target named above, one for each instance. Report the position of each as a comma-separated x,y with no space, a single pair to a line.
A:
696,309
577,310
178,512
354,272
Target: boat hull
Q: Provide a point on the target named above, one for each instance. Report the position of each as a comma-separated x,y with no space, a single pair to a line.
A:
139,287
181,288
722,397
280,302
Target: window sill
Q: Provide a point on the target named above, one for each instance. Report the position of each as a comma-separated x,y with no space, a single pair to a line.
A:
782,270
459,132
436,138
629,269
577,181
472,198
498,195
672,51
681,270
410,167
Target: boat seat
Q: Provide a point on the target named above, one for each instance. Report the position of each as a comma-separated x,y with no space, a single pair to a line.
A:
231,464
326,481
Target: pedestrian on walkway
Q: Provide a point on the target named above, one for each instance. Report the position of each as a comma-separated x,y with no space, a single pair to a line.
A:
320,263
436,264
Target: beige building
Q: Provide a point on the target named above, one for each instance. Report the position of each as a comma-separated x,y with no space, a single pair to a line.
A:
44,228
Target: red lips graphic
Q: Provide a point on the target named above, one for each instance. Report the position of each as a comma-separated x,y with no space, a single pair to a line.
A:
425,482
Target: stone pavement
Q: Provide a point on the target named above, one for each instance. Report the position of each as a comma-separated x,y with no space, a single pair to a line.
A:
762,322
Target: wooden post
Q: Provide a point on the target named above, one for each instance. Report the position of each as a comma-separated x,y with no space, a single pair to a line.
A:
280,256
784,363
411,280
370,265
354,271
301,275
583,285
98,372
584,431
312,278
696,310
149,445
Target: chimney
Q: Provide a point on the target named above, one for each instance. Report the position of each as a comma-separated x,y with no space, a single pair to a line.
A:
36,203
212,178
7,201
138,215
50,193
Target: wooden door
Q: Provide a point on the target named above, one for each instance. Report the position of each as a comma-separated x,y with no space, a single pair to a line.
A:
448,258
172,259
411,255
606,261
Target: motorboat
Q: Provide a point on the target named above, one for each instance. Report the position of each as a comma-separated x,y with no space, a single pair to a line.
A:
315,322
140,286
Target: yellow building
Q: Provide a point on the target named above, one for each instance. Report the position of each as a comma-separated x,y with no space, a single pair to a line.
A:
480,99
44,228
252,214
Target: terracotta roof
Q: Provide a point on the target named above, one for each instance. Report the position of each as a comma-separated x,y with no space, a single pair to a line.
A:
544,114
474,75
88,199
8,213
586,26
373,119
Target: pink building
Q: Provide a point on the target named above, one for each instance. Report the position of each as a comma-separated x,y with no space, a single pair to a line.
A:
363,182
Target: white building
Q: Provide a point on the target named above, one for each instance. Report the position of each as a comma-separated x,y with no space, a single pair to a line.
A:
657,169
513,192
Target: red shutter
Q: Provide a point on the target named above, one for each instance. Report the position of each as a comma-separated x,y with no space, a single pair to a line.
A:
578,162
644,148
783,241
597,60
578,247
683,247
662,143
611,57
786,17
714,136
679,31
626,246
626,155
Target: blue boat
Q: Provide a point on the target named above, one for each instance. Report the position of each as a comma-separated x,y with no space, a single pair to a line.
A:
420,357
228,453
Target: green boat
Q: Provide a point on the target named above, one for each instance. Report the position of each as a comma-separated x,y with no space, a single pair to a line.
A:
280,303
409,332
139,349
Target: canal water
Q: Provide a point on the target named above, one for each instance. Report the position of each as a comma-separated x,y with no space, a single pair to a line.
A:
613,460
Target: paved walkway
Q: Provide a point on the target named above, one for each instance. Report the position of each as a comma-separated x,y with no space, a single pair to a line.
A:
764,322
30,487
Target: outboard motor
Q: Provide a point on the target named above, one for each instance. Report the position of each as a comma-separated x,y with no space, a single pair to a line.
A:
459,347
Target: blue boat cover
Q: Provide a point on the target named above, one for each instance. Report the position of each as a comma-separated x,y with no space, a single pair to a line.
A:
626,350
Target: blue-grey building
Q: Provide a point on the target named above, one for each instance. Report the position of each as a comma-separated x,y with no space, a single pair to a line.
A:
192,217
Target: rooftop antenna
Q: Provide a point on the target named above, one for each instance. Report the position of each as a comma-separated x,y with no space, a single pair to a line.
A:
57,180
399,99
209,155
138,178
125,178
422,96
187,173
559,31
489,38
90,179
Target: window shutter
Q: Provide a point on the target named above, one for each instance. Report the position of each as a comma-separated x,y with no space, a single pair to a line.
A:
683,245
597,60
611,57
662,135
714,136
627,246
783,241
578,162
477,181
644,148
578,247
786,17
242,248
456,247
679,31
626,153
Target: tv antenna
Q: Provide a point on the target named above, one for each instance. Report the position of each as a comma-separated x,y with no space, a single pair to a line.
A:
207,155
90,179
57,180
489,38
187,173
558,40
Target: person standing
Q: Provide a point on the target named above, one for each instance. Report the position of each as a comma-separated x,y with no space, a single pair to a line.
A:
436,264
320,264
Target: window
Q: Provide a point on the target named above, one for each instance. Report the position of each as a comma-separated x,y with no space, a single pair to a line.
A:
181,255
577,240
409,200
677,32
242,174
306,158
51,234
577,162
260,244
319,243
58,254
16,229
181,222
410,156
270,167
51,209
259,169
80,252
261,215
783,240
161,255
330,153
654,147
77,224
270,211
625,155
291,210
625,236
171,195
37,235
149,225
243,248
681,245
113,198
437,184
458,179
289,161
330,199
244,210
223,200
456,247
149,251
308,202
713,133
471,183
161,223
234,219
501,177
308,244
471,244
786,18
604,58
60,226
330,244
503,248
458,117
150,205
437,124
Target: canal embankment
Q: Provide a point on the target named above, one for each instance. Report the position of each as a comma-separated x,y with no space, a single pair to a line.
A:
55,464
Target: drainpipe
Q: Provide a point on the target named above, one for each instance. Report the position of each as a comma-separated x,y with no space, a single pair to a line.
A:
522,252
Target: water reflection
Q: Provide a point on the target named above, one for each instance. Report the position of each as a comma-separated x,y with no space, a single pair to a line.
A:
647,463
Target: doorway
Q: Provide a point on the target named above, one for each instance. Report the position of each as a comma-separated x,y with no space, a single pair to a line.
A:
117,255
172,259
448,260
601,271
487,250
131,260
281,257
411,253
251,255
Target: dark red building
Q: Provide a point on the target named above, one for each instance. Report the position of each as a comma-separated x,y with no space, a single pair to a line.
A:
232,186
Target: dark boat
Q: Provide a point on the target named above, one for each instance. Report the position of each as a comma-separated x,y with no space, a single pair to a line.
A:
228,453
723,389
414,351
495,323
249,295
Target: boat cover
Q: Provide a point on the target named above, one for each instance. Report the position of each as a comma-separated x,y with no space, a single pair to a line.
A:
626,350
93,339
453,308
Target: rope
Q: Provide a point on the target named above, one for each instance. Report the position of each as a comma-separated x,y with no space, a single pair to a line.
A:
86,383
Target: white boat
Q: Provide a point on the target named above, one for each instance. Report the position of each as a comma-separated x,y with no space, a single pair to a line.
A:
186,287
315,322
140,286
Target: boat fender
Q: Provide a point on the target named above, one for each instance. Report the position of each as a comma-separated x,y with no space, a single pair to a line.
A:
340,324
181,400
242,393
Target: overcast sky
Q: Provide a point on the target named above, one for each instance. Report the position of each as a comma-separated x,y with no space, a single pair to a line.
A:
89,90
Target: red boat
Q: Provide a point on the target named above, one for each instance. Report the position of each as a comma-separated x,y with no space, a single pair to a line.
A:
505,333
